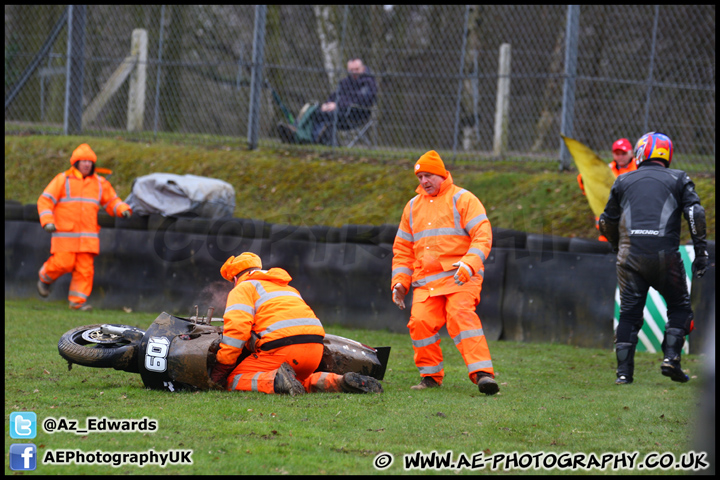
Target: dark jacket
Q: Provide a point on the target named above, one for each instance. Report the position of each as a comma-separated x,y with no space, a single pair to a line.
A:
643,213
360,91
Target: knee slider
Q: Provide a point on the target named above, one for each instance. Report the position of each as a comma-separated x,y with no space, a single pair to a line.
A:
624,350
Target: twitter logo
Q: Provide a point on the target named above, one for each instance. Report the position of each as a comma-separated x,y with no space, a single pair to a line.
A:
23,425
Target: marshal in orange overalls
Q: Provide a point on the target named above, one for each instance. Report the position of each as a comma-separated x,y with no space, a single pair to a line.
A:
71,202
286,328
437,231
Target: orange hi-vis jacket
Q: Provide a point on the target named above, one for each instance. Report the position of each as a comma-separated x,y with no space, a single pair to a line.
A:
264,303
71,202
435,232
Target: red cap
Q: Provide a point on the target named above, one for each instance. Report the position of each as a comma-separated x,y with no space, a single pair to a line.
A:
623,145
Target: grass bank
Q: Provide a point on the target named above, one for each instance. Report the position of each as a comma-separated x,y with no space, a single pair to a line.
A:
553,398
314,187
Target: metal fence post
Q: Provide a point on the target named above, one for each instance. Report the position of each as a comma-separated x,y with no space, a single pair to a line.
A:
568,101
502,106
461,77
159,68
650,73
72,123
256,76
342,59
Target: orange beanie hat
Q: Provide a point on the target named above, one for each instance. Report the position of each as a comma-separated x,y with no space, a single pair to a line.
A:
83,152
431,163
235,265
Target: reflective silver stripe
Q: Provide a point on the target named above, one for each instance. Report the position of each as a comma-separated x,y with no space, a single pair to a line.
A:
47,195
269,296
479,365
45,277
100,189
293,322
436,232
467,334
236,380
74,235
79,199
254,382
424,342
404,235
320,384
432,278
456,213
410,219
429,370
77,294
258,287
115,209
232,342
404,270
46,212
108,202
242,307
480,218
478,252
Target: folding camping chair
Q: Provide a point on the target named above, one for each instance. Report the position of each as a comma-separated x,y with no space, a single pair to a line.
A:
364,132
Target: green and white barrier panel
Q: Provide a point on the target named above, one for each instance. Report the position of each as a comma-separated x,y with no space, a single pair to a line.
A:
652,333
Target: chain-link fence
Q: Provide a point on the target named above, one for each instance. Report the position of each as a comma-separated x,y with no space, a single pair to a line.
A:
492,81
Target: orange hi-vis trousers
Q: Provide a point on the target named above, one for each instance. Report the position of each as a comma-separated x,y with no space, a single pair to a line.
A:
257,372
457,312
82,266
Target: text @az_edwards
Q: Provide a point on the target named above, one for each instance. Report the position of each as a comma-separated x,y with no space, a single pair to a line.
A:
99,425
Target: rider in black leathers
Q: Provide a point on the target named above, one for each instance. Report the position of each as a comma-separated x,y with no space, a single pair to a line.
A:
642,222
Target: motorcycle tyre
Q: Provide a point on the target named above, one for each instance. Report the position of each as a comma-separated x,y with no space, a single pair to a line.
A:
120,355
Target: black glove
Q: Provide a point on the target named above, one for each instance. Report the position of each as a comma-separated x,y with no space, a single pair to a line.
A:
50,228
700,265
220,373
126,214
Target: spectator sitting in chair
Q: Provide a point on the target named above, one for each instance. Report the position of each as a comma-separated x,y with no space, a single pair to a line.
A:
351,103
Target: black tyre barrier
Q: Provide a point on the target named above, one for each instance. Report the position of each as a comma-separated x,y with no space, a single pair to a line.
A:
506,238
135,222
546,296
360,234
105,220
388,232
280,232
160,222
491,297
584,245
14,210
193,225
319,232
544,243
30,213
568,298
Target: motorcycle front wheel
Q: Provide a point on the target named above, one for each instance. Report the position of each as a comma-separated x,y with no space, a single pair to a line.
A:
93,346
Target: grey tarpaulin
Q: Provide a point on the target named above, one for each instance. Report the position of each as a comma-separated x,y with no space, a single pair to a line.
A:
169,194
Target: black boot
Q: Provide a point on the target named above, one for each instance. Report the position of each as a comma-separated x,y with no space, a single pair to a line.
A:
672,347
285,381
626,362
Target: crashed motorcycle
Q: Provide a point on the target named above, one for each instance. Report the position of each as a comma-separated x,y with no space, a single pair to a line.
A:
178,354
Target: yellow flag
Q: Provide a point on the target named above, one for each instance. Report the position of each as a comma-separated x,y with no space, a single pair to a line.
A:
596,175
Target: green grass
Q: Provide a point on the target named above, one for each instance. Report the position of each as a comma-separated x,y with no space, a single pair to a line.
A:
553,398
319,186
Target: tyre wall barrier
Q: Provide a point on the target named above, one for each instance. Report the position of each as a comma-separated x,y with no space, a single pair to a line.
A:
156,263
